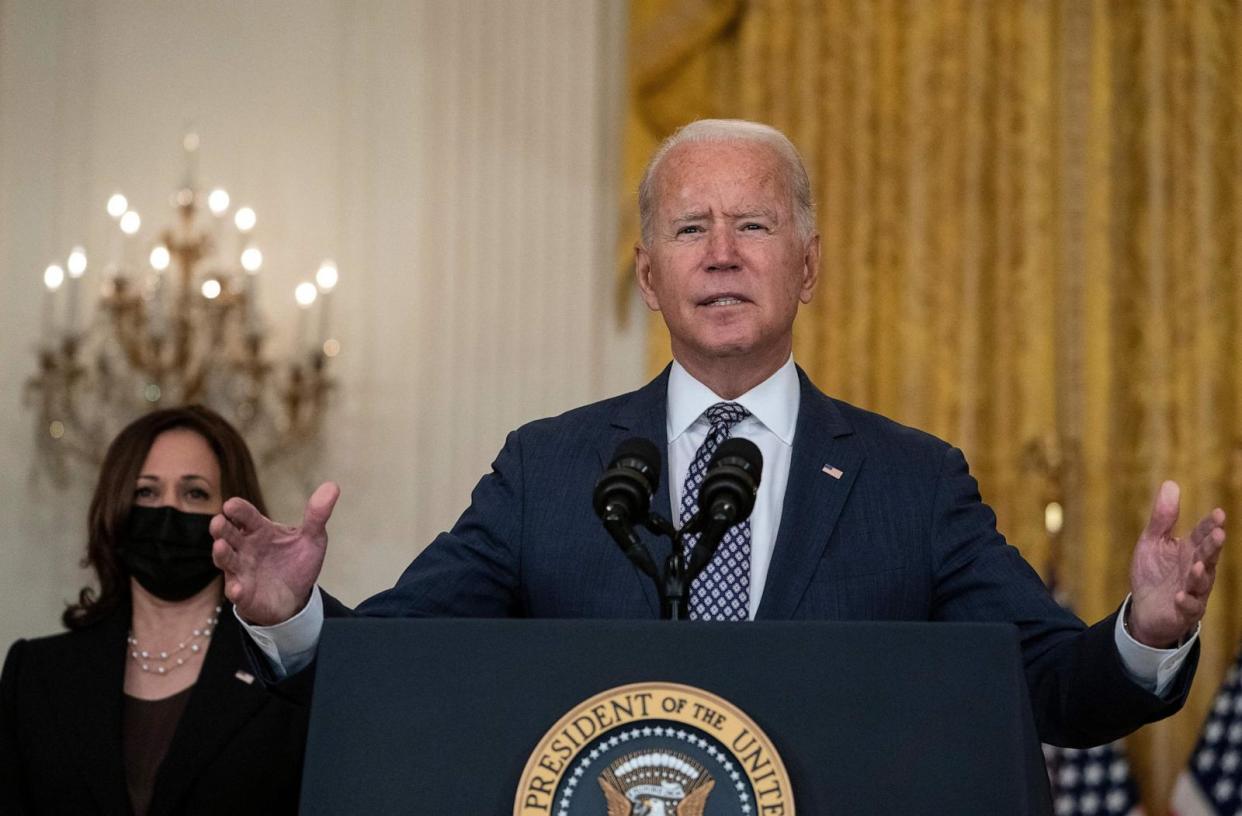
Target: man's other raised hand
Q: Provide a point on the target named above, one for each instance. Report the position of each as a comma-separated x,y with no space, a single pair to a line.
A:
269,568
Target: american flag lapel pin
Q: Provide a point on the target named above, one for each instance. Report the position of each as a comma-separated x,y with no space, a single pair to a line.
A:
834,472
244,676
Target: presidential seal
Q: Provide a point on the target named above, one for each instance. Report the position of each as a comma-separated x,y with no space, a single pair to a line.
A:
654,749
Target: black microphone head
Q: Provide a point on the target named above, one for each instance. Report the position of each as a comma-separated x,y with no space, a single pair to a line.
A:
625,489
732,480
640,454
741,453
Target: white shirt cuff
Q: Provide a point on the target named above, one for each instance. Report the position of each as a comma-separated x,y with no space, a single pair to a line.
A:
1153,669
289,646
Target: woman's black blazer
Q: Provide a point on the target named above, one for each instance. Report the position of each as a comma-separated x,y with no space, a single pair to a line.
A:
237,748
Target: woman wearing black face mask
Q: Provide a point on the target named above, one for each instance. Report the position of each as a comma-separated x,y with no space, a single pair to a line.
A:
147,705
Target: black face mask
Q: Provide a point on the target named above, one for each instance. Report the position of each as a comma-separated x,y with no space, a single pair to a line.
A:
167,551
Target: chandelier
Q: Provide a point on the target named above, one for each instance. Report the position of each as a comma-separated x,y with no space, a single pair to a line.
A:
176,321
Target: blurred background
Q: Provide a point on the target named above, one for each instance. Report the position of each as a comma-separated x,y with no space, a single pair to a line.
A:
1032,240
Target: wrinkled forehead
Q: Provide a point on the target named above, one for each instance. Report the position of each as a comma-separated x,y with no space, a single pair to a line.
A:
749,174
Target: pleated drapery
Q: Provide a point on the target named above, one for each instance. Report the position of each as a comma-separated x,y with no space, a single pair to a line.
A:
1031,219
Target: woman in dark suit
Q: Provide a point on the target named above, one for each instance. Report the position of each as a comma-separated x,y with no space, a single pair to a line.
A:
146,705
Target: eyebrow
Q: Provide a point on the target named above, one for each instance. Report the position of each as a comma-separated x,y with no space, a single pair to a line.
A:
702,215
758,212
186,478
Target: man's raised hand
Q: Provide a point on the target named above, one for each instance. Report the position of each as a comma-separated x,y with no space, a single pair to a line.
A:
269,568
1171,577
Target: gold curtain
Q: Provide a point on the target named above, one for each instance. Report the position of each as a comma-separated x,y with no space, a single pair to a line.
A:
1031,220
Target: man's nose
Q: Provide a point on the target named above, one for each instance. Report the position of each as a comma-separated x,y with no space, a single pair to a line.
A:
721,250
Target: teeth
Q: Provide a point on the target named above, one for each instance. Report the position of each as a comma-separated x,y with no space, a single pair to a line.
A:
723,301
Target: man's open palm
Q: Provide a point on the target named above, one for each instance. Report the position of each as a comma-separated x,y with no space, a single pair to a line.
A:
269,568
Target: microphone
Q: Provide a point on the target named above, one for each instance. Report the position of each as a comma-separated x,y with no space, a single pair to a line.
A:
727,496
623,497
624,491
732,480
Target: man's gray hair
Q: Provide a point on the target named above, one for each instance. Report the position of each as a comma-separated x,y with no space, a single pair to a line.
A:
732,130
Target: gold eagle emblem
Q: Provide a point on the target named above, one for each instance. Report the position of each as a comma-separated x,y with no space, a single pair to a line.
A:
656,783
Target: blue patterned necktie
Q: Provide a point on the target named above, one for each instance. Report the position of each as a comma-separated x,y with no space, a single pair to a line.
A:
722,590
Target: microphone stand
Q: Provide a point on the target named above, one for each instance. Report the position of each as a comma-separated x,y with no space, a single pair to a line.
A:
673,582
673,585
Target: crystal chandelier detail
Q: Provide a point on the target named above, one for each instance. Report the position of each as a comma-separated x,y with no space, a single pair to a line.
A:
177,321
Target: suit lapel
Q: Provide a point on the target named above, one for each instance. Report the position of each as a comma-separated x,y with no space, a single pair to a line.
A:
219,706
813,499
87,700
644,415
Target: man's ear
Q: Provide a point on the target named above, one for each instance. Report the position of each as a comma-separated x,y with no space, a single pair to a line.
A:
642,271
810,269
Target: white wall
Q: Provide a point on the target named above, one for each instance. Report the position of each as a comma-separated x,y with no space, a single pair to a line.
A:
456,159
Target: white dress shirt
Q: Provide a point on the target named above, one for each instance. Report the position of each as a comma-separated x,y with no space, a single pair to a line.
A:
773,405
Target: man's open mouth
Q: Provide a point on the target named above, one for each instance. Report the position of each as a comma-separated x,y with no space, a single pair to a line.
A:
723,300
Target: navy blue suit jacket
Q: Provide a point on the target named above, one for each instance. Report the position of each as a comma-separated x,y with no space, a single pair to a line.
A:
902,535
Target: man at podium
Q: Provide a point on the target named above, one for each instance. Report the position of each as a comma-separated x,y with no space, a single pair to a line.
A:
857,517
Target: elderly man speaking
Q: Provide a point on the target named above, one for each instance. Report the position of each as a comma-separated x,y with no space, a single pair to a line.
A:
857,517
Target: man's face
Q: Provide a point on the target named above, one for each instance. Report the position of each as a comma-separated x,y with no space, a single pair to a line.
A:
726,265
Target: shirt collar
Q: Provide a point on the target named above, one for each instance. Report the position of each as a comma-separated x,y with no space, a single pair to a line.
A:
774,402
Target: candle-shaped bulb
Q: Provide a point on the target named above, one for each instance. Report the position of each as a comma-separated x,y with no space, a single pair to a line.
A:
160,258
130,222
218,201
1054,518
189,142
245,219
252,260
305,294
77,262
54,276
327,276
117,205
211,289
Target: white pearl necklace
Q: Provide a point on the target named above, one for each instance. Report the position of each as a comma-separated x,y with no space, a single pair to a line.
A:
164,662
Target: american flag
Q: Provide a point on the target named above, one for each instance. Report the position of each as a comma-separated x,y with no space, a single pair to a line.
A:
1092,781
834,472
1210,785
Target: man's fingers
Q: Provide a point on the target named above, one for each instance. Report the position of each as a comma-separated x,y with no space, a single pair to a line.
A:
224,556
223,530
216,525
1212,521
1200,579
228,560
1209,549
242,514
319,507
1190,606
233,591
1164,511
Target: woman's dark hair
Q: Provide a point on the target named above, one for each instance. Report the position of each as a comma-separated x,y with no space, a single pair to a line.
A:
114,496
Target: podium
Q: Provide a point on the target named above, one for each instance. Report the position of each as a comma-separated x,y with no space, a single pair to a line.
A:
442,716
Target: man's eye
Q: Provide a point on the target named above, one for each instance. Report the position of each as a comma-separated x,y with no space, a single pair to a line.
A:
688,229
752,227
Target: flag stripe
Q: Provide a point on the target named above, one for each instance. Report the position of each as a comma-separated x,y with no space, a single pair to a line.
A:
1188,800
